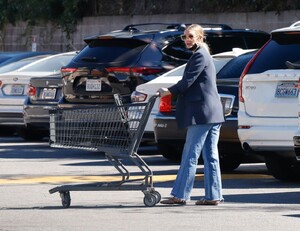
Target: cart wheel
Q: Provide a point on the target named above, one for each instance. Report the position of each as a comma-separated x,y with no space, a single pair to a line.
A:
157,196
65,199
150,200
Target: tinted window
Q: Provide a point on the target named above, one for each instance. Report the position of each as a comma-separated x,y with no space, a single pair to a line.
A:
111,50
235,67
219,43
177,50
282,48
226,43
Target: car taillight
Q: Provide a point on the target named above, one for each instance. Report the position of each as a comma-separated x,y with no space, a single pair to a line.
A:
165,104
67,71
136,71
31,91
137,96
245,71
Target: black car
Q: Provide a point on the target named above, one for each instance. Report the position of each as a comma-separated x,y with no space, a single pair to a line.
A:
170,139
220,38
42,95
119,61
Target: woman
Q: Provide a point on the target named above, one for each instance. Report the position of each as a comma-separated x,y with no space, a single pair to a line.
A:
198,109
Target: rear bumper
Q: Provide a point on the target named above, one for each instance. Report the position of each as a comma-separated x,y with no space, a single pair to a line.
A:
165,128
12,119
11,115
37,115
268,138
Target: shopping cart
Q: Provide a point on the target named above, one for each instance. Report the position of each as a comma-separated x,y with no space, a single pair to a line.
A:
117,131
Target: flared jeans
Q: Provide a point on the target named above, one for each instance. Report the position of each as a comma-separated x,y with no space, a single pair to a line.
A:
200,139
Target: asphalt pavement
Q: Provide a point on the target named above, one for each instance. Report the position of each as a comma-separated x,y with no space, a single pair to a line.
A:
254,200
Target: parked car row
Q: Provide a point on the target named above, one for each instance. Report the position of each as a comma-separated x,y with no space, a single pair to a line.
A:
123,62
13,92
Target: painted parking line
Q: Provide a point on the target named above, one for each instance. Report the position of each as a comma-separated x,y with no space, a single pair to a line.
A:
87,179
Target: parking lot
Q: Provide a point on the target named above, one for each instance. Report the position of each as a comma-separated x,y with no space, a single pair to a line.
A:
254,200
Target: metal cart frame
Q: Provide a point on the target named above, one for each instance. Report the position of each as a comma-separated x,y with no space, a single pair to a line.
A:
117,131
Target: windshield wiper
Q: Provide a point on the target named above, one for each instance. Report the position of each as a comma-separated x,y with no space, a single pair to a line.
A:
291,65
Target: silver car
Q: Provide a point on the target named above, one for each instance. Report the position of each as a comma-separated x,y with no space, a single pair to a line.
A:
13,91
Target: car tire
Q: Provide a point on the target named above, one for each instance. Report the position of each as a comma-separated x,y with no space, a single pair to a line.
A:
170,152
230,161
282,168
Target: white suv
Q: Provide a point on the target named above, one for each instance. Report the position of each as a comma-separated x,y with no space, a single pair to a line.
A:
268,102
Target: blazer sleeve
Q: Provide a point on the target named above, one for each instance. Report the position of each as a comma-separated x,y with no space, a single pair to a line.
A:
195,66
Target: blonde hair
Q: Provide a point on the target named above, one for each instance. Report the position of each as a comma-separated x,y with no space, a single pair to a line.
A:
199,31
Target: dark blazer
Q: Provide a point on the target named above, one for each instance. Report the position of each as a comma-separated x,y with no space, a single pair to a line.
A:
198,100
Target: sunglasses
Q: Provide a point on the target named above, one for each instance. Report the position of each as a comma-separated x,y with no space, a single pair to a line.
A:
184,37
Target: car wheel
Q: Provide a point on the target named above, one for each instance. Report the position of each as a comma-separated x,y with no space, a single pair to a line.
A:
230,161
282,168
170,152
31,134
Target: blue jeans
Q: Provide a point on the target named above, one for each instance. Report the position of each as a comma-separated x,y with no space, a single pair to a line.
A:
201,137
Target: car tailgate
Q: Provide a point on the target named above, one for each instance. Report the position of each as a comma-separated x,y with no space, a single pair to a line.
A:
271,94
47,89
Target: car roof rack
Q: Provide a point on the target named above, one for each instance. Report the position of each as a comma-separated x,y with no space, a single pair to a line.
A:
215,26
177,26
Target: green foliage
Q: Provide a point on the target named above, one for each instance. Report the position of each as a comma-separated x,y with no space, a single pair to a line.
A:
61,13
65,14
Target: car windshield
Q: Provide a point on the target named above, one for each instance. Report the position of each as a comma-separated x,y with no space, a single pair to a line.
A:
52,64
20,63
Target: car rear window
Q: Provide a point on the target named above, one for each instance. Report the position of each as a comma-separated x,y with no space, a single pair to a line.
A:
283,47
53,64
111,50
235,67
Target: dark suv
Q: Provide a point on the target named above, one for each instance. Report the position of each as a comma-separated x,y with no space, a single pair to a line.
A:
220,38
119,61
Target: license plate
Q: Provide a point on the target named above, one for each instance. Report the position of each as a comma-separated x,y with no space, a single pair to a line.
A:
93,85
17,90
49,93
287,89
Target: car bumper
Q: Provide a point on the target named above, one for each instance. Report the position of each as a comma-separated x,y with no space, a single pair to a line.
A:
11,115
37,115
167,134
268,138
166,128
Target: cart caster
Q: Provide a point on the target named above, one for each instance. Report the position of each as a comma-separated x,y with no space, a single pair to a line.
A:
150,200
157,196
65,199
